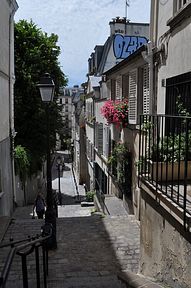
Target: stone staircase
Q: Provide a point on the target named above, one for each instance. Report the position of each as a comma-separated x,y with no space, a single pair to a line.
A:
91,250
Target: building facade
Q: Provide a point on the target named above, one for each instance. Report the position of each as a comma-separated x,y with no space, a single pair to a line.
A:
165,149
103,85
7,133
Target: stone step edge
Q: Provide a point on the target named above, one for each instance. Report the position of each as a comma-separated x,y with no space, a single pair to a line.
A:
136,281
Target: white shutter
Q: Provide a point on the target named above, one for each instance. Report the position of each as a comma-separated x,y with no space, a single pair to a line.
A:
146,90
118,87
100,138
106,141
96,135
133,97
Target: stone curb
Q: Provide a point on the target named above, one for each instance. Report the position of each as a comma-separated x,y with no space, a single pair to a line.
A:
136,281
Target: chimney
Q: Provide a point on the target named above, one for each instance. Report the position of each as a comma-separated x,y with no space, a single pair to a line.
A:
118,25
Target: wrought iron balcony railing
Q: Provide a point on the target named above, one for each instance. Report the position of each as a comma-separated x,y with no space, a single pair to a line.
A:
165,158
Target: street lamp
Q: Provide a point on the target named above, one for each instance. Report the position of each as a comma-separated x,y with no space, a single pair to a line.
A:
46,87
59,165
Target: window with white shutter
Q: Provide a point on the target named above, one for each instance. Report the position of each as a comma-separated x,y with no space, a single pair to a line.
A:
146,90
100,138
118,94
96,135
133,97
106,141
125,86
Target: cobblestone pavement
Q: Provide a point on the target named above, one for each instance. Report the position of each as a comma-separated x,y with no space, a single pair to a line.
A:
91,249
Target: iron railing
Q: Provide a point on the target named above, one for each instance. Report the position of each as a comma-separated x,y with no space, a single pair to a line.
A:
165,158
23,248
101,197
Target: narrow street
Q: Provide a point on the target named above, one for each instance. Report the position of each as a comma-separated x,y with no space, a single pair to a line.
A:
92,249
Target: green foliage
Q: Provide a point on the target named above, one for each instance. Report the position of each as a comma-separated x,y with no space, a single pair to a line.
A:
22,162
118,159
35,54
119,153
90,196
172,148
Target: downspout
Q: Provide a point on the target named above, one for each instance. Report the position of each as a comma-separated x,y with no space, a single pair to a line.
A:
14,8
154,67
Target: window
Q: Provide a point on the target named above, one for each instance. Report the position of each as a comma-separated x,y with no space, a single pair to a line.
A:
99,137
181,11
178,91
139,93
181,3
106,141
66,101
133,97
146,90
60,100
125,86
118,87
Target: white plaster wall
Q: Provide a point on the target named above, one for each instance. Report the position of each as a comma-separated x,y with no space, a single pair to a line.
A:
99,117
177,46
4,36
165,254
90,133
4,108
4,70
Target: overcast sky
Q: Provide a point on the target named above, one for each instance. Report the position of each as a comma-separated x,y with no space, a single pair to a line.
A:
80,25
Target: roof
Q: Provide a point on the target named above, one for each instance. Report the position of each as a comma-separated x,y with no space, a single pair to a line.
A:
106,48
126,60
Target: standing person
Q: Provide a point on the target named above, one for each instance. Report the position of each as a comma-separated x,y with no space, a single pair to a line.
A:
39,204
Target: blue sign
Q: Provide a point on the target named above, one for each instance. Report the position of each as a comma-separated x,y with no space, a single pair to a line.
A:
123,46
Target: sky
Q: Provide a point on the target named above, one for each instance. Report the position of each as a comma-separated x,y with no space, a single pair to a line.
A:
80,26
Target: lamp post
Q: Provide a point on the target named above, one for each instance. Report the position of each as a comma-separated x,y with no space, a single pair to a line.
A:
46,87
59,165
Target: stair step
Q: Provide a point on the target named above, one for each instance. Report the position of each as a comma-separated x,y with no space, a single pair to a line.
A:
87,282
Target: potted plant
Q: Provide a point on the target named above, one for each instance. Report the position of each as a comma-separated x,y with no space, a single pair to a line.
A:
116,112
169,158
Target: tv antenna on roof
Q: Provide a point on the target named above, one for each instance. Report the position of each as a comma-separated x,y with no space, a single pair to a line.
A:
127,4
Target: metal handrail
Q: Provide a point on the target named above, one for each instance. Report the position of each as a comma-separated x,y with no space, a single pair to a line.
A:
101,196
34,244
12,243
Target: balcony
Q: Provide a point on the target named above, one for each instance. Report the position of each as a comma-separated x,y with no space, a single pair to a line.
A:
165,163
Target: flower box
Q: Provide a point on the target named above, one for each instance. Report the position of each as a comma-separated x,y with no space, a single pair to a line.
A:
168,171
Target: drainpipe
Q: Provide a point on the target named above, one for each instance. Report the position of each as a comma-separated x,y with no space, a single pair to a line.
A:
12,134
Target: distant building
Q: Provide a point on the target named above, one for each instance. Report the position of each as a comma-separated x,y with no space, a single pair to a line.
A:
7,133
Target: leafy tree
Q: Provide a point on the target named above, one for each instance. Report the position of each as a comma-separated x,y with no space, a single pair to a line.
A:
35,54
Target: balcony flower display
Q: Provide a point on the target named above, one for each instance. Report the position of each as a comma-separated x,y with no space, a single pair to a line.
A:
116,112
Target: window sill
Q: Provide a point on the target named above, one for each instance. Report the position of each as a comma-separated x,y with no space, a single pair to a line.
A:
179,16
